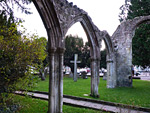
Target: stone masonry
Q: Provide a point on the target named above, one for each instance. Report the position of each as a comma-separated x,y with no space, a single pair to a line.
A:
122,39
58,16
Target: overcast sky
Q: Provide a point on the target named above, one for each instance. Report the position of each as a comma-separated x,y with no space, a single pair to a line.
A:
104,14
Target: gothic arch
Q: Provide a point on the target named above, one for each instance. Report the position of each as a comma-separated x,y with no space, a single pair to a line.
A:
122,39
110,59
90,30
108,42
48,14
58,16
51,22
138,21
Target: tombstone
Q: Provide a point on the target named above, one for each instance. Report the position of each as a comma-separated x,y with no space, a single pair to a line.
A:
71,75
84,75
105,76
67,70
75,67
64,70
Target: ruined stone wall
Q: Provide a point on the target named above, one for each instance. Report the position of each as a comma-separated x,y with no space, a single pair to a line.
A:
68,14
122,39
58,16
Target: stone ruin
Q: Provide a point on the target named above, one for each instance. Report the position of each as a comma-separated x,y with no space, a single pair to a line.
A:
58,16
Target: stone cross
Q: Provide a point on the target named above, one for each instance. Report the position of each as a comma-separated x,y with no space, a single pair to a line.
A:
75,66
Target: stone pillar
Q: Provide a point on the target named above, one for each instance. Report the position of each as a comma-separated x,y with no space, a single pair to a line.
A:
111,74
94,77
124,71
55,101
124,60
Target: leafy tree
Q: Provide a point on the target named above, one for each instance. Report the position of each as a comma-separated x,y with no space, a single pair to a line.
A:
141,40
103,59
74,45
17,55
43,60
141,46
85,55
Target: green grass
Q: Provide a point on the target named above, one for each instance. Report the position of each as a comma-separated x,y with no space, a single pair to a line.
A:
30,105
138,95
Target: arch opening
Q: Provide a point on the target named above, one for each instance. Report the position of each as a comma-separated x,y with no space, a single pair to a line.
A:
110,75
123,43
52,13
75,43
93,53
141,44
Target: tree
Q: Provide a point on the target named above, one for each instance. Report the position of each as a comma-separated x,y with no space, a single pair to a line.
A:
103,59
141,40
124,10
43,61
141,44
74,45
7,8
18,53
85,55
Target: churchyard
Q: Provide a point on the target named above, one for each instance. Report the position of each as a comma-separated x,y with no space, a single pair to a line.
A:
130,96
79,86
118,86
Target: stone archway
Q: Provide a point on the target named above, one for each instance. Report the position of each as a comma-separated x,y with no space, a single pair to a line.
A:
110,60
56,49
92,34
58,16
122,39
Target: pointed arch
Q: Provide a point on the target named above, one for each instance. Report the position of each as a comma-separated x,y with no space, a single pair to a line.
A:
110,60
58,16
91,32
51,22
123,41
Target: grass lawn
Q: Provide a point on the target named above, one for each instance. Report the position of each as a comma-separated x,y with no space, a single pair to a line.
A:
30,105
138,95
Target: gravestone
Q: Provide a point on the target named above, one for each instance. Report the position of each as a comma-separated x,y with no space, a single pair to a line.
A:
67,70
75,67
105,76
71,75
84,75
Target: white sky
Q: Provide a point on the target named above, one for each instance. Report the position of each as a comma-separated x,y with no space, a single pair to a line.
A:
104,14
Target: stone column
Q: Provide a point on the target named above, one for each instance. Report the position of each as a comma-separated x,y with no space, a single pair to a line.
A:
111,74
94,77
61,63
56,80
124,60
